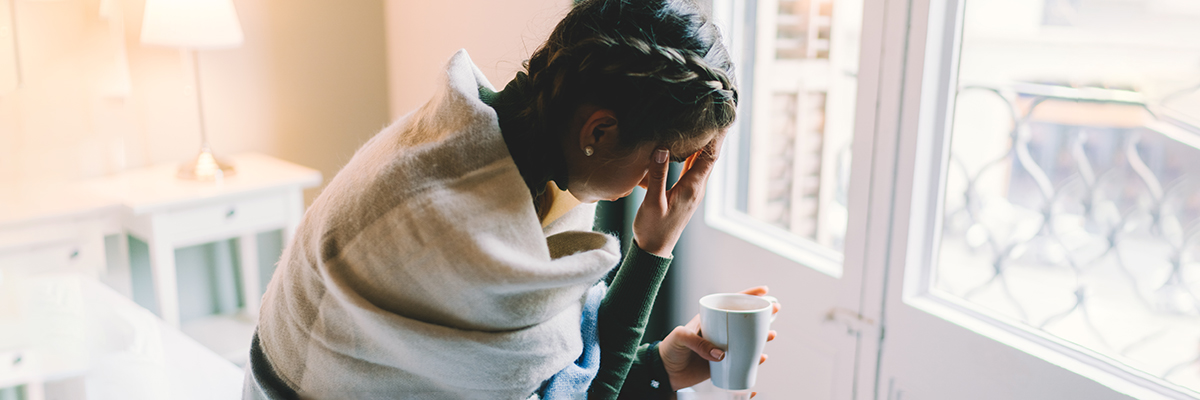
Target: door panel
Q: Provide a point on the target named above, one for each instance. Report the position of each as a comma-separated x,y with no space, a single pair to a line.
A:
810,352
762,225
927,358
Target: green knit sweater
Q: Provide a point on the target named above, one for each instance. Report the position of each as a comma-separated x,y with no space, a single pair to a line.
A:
628,370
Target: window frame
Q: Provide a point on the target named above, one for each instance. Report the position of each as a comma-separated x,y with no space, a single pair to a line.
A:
923,154
730,177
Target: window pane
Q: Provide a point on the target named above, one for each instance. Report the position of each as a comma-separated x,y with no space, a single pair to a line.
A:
1072,201
796,159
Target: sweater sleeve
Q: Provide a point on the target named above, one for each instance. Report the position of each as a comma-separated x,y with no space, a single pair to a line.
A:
623,316
647,378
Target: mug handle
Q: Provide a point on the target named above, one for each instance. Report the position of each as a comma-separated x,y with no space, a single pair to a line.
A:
773,301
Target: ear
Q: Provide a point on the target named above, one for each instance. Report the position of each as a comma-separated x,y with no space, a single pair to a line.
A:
600,130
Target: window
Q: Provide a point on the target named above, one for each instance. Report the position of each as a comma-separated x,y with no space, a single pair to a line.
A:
1072,199
786,166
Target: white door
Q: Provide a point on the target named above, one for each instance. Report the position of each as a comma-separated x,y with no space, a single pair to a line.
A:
1045,241
788,207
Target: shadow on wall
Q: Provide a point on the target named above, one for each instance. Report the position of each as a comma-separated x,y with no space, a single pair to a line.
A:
328,80
499,35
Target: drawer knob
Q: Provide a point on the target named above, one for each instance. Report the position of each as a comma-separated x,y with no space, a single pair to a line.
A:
74,253
230,213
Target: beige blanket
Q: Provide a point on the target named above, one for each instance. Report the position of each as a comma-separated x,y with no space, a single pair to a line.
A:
422,270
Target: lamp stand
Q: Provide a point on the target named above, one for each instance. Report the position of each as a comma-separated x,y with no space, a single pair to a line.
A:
205,166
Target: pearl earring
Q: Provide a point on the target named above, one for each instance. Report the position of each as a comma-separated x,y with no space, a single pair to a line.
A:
588,151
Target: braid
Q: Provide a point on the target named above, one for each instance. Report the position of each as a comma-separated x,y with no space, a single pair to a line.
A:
646,60
656,63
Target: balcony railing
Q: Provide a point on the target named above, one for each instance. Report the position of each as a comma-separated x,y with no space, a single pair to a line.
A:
1087,226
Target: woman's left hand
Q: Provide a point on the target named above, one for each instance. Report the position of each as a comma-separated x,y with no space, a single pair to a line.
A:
685,354
664,213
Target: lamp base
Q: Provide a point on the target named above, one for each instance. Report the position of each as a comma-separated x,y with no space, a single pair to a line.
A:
205,167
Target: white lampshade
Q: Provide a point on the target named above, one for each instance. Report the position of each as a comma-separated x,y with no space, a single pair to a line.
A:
196,24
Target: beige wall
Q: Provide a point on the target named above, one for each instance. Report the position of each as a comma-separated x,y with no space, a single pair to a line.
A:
309,85
498,35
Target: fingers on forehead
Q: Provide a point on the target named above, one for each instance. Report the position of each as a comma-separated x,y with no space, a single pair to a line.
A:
694,144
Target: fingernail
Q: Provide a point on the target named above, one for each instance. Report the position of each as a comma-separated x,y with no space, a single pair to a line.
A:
660,155
717,354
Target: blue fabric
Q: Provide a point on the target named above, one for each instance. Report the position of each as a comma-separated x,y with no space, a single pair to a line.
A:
573,381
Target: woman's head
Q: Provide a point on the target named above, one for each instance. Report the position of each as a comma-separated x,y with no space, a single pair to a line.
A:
624,77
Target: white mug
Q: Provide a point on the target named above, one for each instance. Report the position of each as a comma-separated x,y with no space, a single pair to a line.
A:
737,323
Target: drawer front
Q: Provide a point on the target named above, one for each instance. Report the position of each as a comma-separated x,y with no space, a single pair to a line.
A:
72,246
222,219
82,256
15,365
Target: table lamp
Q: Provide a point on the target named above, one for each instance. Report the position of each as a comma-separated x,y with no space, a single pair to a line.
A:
194,25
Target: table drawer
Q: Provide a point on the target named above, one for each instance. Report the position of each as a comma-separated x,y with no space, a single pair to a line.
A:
222,219
75,246
74,256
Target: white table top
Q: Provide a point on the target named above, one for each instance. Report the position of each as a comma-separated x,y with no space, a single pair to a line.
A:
28,203
156,188
82,330
145,190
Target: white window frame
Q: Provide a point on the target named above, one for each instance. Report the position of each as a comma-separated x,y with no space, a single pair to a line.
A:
923,155
723,183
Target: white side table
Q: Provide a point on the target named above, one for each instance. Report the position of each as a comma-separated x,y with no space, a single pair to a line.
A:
167,213
55,227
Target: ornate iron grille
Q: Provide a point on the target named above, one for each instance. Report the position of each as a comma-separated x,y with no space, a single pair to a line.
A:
1087,231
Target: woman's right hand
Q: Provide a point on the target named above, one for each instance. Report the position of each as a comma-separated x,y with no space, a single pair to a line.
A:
664,213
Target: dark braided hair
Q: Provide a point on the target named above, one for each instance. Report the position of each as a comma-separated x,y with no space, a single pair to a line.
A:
659,65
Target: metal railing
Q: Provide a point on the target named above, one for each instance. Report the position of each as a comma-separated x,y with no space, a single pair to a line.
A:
1090,215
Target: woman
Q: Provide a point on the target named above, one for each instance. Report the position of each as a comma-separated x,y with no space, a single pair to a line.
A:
453,256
